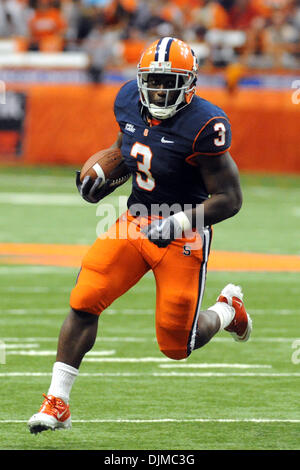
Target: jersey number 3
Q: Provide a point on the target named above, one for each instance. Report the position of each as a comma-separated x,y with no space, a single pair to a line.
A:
220,128
144,177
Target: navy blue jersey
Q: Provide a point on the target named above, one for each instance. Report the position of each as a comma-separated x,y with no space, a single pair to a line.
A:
160,157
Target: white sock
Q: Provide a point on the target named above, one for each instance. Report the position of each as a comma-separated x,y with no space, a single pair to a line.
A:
225,312
63,377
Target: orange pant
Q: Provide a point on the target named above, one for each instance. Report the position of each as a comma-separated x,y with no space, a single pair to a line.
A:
116,262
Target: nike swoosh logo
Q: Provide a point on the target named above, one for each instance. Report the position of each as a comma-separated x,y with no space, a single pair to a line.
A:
240,303
60,415
164,141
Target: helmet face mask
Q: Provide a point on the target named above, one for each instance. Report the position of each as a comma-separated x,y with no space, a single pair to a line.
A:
166,86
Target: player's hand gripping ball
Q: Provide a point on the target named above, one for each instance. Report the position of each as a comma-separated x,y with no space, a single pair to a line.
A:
101,174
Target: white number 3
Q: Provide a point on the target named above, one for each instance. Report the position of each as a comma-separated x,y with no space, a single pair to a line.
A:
147,181
220,128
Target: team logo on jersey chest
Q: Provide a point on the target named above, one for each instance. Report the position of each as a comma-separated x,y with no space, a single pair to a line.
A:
130,128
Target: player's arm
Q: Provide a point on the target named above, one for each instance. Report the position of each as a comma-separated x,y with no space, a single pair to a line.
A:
221,178
92,191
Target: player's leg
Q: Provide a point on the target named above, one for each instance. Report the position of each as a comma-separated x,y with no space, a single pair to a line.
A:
109,269
180,280
119,267
181,325
77,337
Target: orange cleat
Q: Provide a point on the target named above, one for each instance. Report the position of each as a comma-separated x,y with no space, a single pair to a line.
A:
241,326
53,414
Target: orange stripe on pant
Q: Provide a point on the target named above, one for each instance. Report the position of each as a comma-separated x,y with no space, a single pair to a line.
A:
118,260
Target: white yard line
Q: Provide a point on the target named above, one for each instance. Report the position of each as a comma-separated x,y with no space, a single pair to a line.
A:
48,199
29,269
33,311
159,374
113,339
269,311
122,311
21,345
142,339
41,199
33,290
264,339
56,311
43,180
53,353
215,366
169,420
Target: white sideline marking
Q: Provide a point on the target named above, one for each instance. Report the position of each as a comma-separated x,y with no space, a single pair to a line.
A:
269,311
37,269
158,374
170,420
41,199
130,359
260,340
33,311
43,180
94,353
47,199
33,290
53,353
113,339
56,311
217,365
152,339
116,311
4,270
136,360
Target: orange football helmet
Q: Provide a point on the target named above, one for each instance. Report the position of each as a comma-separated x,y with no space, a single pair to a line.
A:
169,56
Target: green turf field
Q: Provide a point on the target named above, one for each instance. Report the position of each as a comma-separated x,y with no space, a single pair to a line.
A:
128,395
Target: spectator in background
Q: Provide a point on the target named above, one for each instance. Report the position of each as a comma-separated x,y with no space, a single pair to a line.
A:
265,8
148,19
211,15
100,45
47,27
271,27
117,11
294,14
14,16
72,12
282,41
85,22
172,16
254,51
241,14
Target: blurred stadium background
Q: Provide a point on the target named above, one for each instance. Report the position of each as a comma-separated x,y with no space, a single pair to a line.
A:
61,65
61,60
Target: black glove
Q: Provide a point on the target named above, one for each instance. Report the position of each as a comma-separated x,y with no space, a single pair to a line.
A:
162,232
92,191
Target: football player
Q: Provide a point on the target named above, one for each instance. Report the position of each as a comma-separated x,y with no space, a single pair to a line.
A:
184,181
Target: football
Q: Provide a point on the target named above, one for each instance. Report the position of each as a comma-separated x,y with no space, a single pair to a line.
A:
108,164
